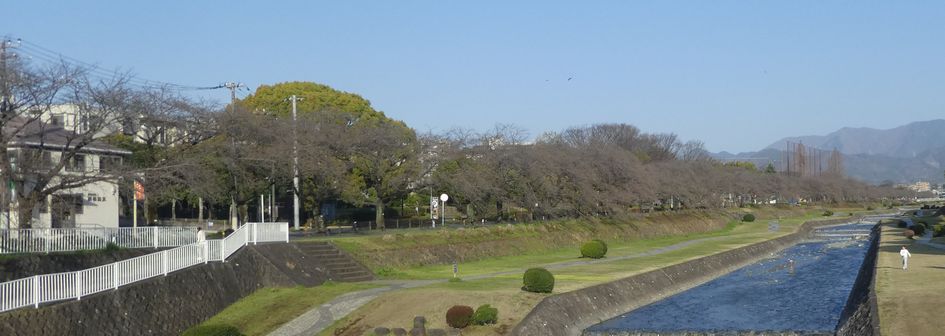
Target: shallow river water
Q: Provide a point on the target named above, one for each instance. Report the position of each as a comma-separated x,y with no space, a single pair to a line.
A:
803,288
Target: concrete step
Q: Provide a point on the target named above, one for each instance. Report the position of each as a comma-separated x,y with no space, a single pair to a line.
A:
345,269
356,279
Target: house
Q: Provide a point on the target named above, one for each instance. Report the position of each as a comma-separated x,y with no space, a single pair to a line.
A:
36,147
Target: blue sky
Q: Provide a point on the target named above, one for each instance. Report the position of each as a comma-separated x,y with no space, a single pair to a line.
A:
736,75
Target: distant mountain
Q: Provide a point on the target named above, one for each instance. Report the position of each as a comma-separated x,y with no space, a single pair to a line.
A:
903,141
913,152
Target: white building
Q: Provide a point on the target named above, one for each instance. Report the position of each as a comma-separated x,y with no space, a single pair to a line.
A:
38,145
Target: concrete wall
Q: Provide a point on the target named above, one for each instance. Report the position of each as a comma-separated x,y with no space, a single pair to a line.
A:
167,305
22,266
861,315
570,313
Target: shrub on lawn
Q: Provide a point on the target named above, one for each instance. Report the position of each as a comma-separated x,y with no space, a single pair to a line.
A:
828,213
538,280
485,314
459,316
869,208
227,232
918,229
938,231
748,218
594,249
901,223
908,233
213,330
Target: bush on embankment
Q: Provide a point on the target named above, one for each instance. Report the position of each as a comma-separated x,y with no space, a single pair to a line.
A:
538,280
594,249
429,247
748,218
459,316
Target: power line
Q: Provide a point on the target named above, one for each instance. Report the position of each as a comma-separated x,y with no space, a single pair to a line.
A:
39,52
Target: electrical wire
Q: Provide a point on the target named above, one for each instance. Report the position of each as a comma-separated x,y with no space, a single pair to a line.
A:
44,54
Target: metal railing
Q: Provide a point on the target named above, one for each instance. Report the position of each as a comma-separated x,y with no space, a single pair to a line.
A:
44,288
76,239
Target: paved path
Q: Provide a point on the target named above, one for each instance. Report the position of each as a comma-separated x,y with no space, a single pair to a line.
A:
927,240
321,317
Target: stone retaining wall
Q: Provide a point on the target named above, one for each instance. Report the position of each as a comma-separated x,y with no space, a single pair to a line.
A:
166,305
570,313
861,316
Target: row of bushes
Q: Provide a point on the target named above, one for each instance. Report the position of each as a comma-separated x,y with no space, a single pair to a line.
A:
462,316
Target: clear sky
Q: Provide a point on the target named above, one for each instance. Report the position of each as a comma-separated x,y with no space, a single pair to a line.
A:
736,74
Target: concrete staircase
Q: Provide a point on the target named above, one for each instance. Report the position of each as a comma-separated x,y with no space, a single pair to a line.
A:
339,265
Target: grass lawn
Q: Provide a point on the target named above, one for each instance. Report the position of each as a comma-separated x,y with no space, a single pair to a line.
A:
397,308
268,308
909,301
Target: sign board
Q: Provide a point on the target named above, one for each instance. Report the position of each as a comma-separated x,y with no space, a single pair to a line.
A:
444,197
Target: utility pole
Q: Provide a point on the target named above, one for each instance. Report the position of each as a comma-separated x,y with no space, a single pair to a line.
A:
6,111
234,214
295,163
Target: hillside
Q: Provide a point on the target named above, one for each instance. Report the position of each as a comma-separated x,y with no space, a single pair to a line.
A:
905,141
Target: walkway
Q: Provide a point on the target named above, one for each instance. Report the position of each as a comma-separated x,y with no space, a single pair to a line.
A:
320,318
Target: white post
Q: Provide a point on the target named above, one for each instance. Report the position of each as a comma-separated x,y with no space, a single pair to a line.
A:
78,285
164,258
287,234
46,233
255,233
223,250
246,237
154,232
206,251
36,291
262,208
115,274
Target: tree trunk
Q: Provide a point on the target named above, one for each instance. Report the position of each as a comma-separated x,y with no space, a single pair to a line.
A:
174,210
379,213
24,213
199,210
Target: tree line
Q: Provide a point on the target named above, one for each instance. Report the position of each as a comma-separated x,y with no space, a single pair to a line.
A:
189,152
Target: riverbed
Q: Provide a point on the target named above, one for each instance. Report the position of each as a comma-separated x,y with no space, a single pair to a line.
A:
801,290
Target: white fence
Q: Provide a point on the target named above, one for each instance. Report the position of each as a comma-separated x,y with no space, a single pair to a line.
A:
64,240
39,289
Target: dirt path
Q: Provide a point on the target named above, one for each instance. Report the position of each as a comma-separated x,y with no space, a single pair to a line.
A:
319,318
910,300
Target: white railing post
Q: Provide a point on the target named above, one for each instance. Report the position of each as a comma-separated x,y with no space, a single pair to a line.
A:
255,233
115,274
164,257
245,235
78,285
36,291
206,251
223,250
154,231
287,233
46,234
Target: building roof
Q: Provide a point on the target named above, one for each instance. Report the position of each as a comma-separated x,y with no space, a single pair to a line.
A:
36,134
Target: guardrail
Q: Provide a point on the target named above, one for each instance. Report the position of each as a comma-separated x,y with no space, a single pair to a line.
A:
44,288
76,239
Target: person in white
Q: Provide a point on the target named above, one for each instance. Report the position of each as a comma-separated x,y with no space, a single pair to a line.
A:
201,236
905,257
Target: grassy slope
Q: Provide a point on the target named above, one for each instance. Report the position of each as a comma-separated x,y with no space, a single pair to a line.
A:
268,308
398,308
909,301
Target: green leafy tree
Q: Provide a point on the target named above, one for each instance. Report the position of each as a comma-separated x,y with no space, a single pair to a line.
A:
769,169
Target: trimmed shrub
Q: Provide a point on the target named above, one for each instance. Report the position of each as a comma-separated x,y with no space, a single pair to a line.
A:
938,231
908,233
485,314
538,280
918,229
869,208
594,249
828,213
213,330
901,223
459,316
227,232
748,218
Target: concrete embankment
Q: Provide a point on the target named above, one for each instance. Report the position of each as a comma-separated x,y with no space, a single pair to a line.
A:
570,313
168,305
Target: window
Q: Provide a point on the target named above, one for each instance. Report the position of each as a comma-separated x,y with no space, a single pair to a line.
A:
56,119
109,163
94,198
77,164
